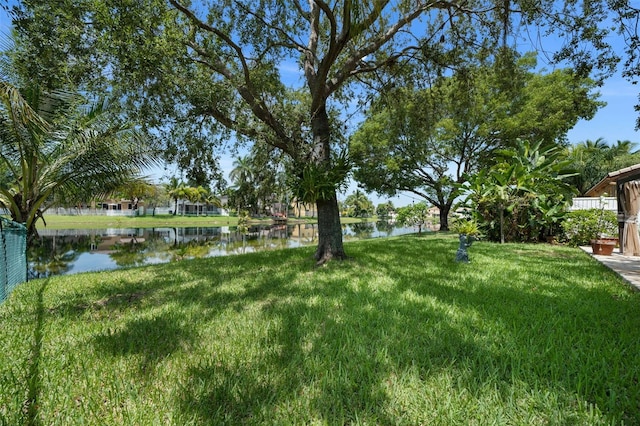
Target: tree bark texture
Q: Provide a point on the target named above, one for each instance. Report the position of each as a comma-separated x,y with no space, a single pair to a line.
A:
329,228
329,232
444,216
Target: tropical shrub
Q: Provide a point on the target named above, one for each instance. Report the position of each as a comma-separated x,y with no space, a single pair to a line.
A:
581,226
523,197
465,226
243,222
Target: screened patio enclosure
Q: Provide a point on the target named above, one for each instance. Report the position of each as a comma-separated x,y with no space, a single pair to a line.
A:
624,184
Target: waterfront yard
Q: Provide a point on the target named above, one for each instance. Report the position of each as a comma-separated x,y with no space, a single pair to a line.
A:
399,334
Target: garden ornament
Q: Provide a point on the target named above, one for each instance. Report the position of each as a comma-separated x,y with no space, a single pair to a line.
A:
465,242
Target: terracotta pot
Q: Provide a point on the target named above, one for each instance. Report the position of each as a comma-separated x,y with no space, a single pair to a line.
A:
613,240
603,247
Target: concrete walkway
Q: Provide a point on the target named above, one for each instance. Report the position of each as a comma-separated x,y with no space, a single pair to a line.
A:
628,267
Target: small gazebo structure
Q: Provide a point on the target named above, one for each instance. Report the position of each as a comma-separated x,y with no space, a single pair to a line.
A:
624,184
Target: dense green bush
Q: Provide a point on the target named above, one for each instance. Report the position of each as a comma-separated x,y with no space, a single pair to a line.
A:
581,226
523,197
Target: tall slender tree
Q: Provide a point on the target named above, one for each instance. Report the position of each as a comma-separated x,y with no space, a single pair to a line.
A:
175,189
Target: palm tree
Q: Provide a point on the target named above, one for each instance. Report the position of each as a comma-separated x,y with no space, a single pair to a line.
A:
200,196
242,172
174,190
594,159
77,152
625,147
211,200
195,195
179,192
244,185
599,144
358,205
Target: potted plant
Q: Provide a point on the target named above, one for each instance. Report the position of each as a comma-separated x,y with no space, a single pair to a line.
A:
467,233
605,238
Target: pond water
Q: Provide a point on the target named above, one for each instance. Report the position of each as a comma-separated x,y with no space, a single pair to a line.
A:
69,251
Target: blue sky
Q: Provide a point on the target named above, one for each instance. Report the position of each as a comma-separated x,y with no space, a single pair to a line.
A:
616,121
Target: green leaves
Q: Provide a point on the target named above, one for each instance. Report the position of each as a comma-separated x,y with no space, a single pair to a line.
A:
83,151
416,214
427,140
596,158
319,181
582,226
358,205
523,196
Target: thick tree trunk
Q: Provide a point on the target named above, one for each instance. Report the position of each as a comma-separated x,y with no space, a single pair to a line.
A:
444,217
329,228
329,232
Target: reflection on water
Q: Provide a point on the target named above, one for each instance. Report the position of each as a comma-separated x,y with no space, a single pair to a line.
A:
71,251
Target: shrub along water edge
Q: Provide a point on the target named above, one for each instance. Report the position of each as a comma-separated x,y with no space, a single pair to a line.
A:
398,334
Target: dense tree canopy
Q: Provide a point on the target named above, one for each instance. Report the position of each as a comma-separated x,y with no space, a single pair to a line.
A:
200,72
427,141
593,159
358,204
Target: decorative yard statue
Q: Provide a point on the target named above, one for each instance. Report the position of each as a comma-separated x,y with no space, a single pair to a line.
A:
467,231
465,242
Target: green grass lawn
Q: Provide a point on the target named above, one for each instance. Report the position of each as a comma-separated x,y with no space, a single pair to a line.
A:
400,334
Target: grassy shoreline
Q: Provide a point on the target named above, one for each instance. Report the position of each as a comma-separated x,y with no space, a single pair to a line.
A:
160,221
399,334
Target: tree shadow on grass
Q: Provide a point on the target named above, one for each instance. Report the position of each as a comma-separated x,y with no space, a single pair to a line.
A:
34,376
327,361
339,336
576,334
162,323
152,339
339,344
151,286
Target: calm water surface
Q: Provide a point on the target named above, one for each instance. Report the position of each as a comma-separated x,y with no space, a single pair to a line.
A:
71,251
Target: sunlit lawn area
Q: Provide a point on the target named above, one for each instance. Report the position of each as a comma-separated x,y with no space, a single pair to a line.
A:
400,334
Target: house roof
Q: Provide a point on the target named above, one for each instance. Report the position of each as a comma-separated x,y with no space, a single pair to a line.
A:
628,173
